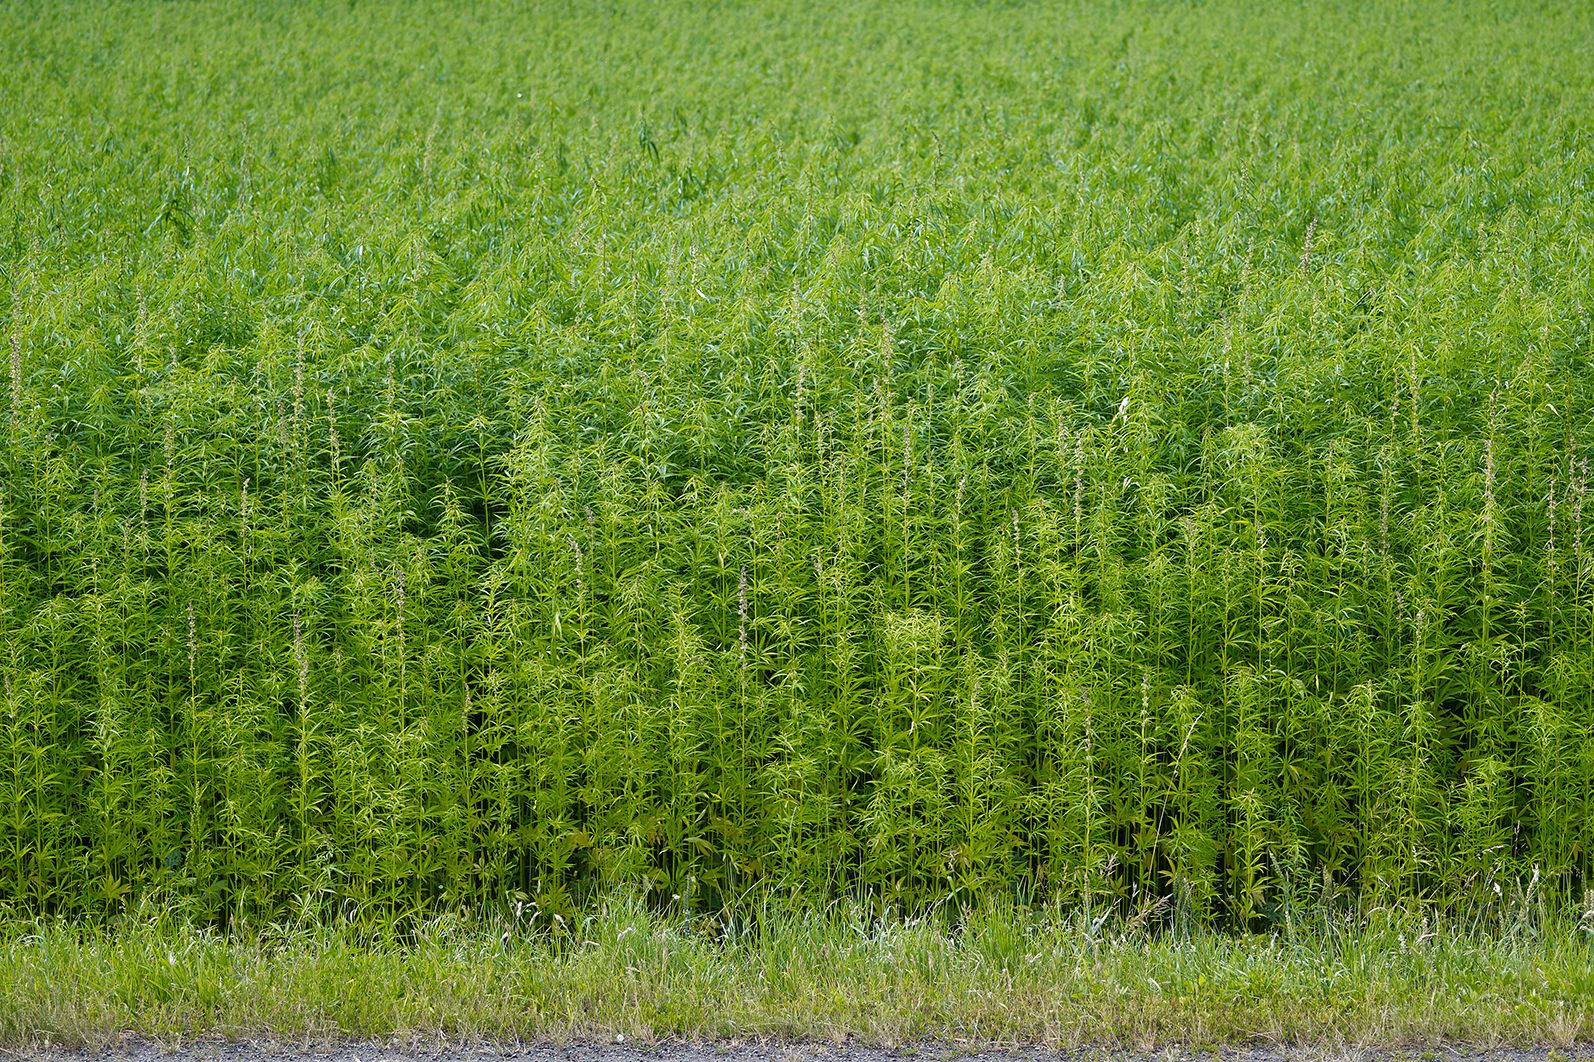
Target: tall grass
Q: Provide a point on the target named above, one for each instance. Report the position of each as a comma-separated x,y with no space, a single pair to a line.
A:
1130,458
844,974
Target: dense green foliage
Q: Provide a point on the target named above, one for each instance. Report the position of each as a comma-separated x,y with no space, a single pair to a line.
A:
910,452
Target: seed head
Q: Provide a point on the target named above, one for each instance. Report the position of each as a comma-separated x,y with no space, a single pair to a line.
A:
741,618
907,456
298,382
801,393
193,647
1549,547
399,603
1306,245
332,428
1579,490
1488,474
301,661
16,377
1383,522
243,518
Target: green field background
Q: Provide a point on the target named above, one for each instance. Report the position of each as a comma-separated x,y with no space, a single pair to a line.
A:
456,457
